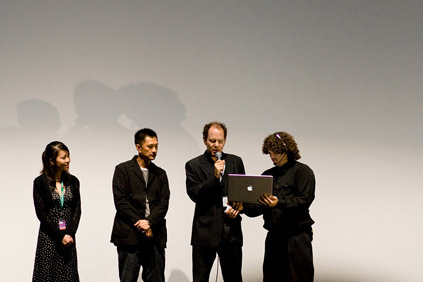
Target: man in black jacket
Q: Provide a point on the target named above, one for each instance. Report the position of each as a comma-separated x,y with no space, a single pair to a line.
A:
216,226
141,195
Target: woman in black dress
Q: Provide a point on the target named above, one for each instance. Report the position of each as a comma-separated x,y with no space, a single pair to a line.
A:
58,206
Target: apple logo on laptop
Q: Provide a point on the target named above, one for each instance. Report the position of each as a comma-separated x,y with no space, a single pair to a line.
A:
250,188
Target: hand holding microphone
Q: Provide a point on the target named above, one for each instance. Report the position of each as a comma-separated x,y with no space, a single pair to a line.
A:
219,165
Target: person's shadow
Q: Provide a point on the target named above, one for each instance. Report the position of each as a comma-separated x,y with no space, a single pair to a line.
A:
98,109
106,122
39,124
157,107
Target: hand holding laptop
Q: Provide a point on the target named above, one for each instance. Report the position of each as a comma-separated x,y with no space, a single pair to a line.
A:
268,200
237,206
233,209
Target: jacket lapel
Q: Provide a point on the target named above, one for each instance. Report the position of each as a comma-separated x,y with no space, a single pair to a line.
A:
137,171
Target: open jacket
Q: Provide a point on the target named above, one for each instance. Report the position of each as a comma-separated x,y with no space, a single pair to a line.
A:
129,193
210,225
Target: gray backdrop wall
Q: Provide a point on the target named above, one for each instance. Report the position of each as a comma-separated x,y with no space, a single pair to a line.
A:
344,77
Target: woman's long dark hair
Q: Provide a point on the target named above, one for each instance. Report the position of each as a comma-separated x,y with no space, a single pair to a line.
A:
49,162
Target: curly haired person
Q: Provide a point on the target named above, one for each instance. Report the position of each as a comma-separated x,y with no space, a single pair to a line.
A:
288,251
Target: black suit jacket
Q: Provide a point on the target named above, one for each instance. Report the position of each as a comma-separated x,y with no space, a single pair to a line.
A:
210,225
129,193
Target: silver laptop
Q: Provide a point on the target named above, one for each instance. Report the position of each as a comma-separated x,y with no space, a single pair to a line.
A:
248,188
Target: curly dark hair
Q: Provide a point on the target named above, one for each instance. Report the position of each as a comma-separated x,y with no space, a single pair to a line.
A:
217,124
280,142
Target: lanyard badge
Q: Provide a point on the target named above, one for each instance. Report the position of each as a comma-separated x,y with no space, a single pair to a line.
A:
62,224
62,221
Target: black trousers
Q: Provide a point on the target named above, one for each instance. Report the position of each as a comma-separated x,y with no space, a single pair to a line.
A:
150,256
288,258
230,255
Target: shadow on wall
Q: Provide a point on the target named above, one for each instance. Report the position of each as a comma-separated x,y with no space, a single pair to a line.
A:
152,105
98,109
102,137
107,120
34,117
37,114
39,123
102,109
105,125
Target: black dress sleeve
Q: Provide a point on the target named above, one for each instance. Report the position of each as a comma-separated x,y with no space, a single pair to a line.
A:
76,207
42,203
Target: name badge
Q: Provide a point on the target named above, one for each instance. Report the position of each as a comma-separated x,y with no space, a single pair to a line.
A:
225,201
62,224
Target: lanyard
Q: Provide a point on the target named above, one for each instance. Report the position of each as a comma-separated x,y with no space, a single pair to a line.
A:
62,196
62,222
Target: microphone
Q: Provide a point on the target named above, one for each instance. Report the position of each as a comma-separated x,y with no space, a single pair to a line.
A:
218,156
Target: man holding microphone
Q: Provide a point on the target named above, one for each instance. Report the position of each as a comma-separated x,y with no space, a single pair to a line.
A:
216,227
